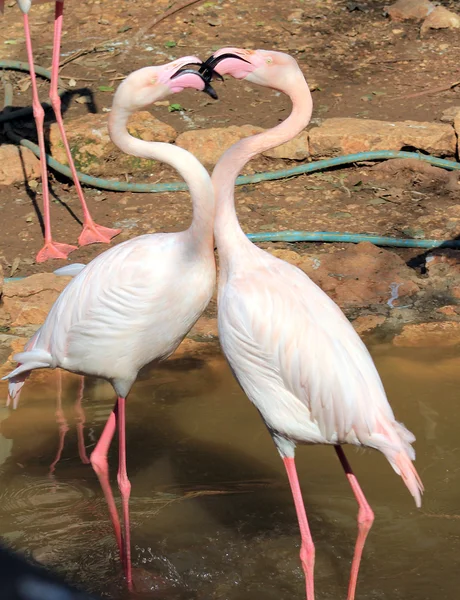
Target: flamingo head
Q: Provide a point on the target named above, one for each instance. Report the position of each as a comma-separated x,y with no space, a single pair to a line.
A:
263,67
150,84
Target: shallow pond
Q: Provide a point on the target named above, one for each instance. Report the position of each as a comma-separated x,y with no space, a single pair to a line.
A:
212,515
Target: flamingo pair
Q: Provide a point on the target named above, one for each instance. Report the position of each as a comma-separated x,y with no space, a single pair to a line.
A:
92,233
291,348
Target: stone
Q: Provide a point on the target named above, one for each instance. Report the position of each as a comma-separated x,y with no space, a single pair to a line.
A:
403,10
366,323
296,149
457,124
338,136
362,275
28,301
208,145
296,16
17,164
427,335
294,258
9,346
93,151
443,268
448,115
440,18
450,310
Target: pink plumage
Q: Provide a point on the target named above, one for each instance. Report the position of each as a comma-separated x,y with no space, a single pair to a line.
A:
291,348
133,304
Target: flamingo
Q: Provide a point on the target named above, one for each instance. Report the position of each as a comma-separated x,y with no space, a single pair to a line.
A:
91,233
293,351
133,304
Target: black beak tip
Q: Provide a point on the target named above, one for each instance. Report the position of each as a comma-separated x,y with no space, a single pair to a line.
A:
208,89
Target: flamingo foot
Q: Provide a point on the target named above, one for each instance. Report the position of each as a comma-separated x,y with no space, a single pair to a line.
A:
54,250
93,234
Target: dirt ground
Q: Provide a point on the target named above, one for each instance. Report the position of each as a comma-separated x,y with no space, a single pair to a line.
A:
359,63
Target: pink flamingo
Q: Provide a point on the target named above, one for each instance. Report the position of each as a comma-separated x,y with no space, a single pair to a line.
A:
291,348
133,304
92,233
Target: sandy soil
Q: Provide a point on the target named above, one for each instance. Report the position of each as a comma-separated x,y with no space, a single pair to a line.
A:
361,64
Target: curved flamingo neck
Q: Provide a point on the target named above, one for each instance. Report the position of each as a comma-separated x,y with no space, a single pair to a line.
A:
190,169
228,233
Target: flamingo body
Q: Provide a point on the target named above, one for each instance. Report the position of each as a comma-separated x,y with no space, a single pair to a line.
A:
133,304
302,364
291,348
124,310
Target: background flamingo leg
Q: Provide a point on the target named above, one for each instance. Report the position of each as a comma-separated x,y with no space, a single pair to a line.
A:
100,465
51,249
92,233
307,550
365,520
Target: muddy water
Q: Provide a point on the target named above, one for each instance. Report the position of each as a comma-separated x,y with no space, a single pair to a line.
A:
212,515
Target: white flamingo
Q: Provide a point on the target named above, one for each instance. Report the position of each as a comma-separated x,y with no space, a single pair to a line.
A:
133,304
293,351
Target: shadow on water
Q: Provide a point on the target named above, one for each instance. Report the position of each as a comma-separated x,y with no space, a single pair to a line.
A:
212,515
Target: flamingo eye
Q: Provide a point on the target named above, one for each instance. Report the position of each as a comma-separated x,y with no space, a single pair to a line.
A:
269,60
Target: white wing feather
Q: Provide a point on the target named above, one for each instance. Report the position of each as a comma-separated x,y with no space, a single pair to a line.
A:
300,360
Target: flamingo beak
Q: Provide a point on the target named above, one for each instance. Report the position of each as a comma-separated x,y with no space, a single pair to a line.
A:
210,64
206,78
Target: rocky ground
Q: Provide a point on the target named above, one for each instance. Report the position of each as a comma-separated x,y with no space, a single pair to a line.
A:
382,78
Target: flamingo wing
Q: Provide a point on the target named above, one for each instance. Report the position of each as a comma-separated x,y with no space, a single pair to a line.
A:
281,328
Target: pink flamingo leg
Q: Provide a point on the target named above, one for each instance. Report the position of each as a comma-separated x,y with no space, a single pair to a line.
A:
51,249
80,423
365,520
100,465
124,486
307,550
63,425
92,233
99,462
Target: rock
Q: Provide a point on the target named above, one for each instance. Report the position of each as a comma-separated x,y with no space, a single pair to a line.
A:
443,268
402,10
448,115
17,164
93,151
209,144
427,335
457,124
367,323
450,310
9,346
337,136
294,258
362,275
296,149
296,16
440,18
27,302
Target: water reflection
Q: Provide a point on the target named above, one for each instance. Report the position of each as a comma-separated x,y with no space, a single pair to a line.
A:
212,516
